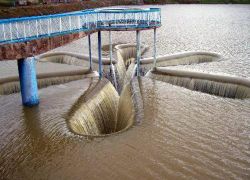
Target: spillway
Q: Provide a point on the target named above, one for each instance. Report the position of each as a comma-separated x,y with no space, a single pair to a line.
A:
220,85
10,85
100,111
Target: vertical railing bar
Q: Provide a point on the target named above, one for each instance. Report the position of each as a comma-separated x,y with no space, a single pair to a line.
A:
70,25
24,30
60,24
79,22
40,27
11,35
4,35
36,28
48,25
17,34
29,28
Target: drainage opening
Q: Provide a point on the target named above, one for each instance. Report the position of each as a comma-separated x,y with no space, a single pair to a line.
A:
101,112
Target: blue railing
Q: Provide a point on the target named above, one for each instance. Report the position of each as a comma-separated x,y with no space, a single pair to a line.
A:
29,28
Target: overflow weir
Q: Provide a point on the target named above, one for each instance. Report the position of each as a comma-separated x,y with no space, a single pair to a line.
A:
27,29
100,110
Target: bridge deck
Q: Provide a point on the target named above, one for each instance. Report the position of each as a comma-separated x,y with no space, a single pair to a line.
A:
29,28
27,36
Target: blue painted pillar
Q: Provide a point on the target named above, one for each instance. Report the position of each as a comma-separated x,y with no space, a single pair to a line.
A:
28,81
100,54
90,54
138,51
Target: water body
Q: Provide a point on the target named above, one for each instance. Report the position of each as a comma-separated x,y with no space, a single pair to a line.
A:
184,134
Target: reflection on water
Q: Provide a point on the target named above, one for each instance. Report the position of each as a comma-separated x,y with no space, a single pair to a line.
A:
184,134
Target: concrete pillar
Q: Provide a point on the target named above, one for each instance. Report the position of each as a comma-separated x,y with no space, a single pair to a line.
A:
90,53
28,81
138,51
154,47
100,54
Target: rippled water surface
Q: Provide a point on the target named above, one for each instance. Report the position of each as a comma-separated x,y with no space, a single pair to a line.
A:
184,134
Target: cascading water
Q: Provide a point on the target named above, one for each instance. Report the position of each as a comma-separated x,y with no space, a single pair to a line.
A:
100,111
12,85
94,113
184,58
220,85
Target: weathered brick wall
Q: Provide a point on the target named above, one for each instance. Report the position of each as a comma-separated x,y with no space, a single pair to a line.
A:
35,47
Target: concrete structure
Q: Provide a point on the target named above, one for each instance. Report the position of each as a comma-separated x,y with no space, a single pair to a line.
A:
22,38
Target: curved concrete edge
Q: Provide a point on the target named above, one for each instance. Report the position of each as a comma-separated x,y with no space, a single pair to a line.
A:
85,72
144,47
42,57
127,45
105,61
201,75
213,55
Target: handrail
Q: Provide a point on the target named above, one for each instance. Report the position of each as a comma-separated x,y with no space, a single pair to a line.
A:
29,28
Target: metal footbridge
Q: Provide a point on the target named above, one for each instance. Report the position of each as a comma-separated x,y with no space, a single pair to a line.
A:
29,28
22,30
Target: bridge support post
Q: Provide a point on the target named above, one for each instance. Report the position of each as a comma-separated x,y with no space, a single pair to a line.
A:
90,53
112,69
100,54
28,81
138,51
154,47
110,47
